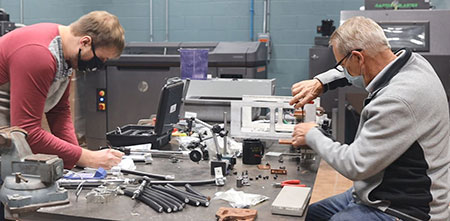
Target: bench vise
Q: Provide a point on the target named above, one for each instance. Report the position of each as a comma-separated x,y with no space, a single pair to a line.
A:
29,179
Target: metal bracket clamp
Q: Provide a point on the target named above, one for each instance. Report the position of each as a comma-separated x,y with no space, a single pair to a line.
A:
220,179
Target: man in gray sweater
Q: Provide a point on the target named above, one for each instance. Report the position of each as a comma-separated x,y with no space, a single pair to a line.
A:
399,160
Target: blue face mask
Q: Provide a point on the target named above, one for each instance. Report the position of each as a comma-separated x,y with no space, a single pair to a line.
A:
358,81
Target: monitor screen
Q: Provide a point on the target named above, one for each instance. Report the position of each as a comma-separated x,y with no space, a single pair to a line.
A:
412,35
169,106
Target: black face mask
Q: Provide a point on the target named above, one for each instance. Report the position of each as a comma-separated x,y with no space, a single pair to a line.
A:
91,65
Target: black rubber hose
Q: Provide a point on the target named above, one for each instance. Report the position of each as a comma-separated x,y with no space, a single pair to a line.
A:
197,200
183,182
190,189
152,175
187,193
163,200
152,204
167,208
176,206
174,193
167,195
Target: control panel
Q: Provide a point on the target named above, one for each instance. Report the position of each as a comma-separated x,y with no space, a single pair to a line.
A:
101,99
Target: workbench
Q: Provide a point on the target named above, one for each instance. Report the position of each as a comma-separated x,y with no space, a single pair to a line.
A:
123,208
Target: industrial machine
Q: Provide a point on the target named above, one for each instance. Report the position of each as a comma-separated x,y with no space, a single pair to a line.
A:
29,180
129,87
211,98
5,25
397,5
225,59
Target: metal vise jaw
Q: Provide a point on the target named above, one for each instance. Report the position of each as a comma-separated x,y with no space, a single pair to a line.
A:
29,179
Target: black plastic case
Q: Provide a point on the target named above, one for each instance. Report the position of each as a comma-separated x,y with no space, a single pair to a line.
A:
160,134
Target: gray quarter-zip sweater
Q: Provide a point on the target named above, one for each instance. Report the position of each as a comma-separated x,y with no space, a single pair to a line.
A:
399,160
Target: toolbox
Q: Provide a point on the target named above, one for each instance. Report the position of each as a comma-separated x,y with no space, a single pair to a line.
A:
160,134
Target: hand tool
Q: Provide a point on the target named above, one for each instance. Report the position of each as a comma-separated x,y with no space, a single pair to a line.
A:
289,183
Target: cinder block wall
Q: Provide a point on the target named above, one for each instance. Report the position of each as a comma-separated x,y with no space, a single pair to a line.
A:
292,23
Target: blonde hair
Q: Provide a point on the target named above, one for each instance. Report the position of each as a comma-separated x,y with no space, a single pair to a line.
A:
104,29
359,33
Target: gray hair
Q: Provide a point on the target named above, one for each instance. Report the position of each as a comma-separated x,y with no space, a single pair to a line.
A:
359,33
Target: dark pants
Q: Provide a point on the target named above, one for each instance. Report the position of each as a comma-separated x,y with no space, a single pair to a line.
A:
343,207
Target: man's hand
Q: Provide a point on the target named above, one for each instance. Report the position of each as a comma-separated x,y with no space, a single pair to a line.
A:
300,131
106,158
305,91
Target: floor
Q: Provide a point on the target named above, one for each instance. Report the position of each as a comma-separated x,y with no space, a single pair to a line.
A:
328,183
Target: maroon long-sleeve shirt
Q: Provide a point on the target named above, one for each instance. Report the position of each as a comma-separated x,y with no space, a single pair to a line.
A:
27,63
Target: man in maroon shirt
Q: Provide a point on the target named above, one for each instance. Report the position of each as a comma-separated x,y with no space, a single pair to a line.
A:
36,64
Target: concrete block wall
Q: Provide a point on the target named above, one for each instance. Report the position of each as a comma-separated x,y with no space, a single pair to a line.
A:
292,23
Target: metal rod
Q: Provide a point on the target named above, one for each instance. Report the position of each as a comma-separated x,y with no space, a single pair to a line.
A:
167,20
151,175
252,19
182,182
225,125
22,12
151,20
268,17
203,123
265,17
216,143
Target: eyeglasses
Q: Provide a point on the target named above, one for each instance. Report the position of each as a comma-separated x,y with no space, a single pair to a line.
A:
338,66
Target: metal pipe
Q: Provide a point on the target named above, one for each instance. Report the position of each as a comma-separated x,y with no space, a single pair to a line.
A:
167,20
203,123
22,12
225,128
182,183
252,19
151,175
265,17
268,17
151,20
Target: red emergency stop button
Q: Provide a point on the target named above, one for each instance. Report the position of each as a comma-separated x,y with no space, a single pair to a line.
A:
101,106
101,93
